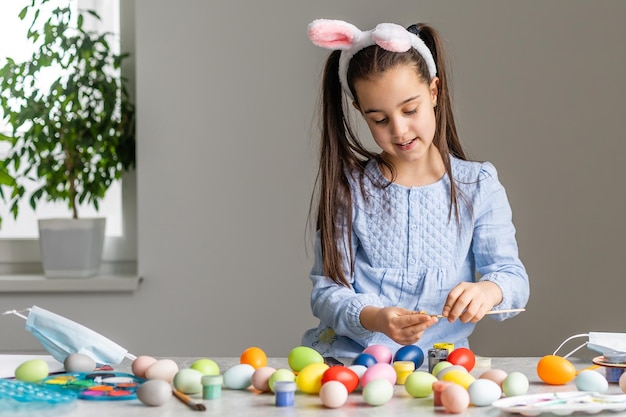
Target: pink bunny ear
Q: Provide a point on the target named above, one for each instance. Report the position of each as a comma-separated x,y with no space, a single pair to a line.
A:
332,34
392,37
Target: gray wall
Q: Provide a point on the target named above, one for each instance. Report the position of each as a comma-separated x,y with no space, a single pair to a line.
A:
226,94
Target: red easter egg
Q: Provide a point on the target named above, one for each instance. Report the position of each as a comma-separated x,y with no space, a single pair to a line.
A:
345,375
464,357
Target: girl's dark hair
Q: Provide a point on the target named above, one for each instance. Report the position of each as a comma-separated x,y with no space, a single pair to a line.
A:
342,153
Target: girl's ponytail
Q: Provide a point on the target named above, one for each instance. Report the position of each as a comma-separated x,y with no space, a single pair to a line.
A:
340,152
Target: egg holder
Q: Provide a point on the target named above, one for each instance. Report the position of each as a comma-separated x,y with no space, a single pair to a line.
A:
97,386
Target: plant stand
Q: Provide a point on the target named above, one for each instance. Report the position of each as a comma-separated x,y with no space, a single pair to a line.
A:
71,248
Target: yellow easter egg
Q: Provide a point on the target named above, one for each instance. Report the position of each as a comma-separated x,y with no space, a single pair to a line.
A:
309,379
462,378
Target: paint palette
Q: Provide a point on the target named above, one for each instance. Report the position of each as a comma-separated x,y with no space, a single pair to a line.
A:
97,386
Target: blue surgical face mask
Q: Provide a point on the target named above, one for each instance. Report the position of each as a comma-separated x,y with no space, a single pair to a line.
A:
62,337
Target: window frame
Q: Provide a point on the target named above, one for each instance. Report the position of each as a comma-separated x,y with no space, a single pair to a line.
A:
22,255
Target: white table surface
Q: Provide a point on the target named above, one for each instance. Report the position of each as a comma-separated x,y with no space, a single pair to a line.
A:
251,403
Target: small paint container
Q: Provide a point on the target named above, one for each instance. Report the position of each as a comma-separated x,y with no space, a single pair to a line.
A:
444,345
285,393
436,355
613,373
438,387
403,370
212,386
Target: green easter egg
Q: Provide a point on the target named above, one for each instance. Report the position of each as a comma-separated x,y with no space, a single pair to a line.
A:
206,366
301,356
419,384
33,370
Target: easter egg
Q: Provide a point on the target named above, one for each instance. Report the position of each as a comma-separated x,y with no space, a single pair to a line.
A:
593,381
364,359
381,353
33,370
419,384
496,375
440,366
622,382
410,353
378,392
261,378
163,369
464,357
345,375
301,356
188,381
484,392
455,399
359,370
462,378
206,366
333,394
309,379
239,377
379,371
154,393
516,383
78,362
141,364
254,356
450,368
555,370
281,375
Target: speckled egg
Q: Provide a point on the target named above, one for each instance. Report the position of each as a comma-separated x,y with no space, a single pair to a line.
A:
154,393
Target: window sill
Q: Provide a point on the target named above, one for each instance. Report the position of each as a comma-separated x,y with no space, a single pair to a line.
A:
39,283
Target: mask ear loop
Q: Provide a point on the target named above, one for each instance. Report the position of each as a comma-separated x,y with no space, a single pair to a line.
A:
18,313
575,350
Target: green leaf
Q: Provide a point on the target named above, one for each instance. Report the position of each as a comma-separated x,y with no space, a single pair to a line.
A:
5,178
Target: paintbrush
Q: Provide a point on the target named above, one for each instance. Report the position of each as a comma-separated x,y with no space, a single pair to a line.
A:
514,310
185,399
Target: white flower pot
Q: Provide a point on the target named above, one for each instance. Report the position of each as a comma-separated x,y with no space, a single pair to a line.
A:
71,248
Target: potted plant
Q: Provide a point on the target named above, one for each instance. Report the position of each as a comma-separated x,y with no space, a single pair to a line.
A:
73,138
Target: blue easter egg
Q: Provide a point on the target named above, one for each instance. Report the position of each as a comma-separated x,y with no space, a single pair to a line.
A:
364,359
410,353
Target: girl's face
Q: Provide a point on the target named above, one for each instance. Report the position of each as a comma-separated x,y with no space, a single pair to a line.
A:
399,110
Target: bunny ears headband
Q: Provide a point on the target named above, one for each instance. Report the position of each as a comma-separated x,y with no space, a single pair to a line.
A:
340,35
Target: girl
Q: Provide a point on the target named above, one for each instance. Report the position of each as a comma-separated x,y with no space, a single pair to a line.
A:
414,227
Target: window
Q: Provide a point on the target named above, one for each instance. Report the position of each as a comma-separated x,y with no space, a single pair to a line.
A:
18,238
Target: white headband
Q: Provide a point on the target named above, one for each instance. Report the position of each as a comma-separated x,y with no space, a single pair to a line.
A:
340,35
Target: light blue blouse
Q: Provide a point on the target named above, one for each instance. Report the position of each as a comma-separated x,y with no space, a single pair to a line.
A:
409,253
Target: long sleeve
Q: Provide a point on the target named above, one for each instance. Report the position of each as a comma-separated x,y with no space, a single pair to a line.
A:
494,245
337,306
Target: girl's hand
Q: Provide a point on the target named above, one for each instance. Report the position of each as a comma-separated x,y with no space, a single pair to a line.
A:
403,326
469,301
